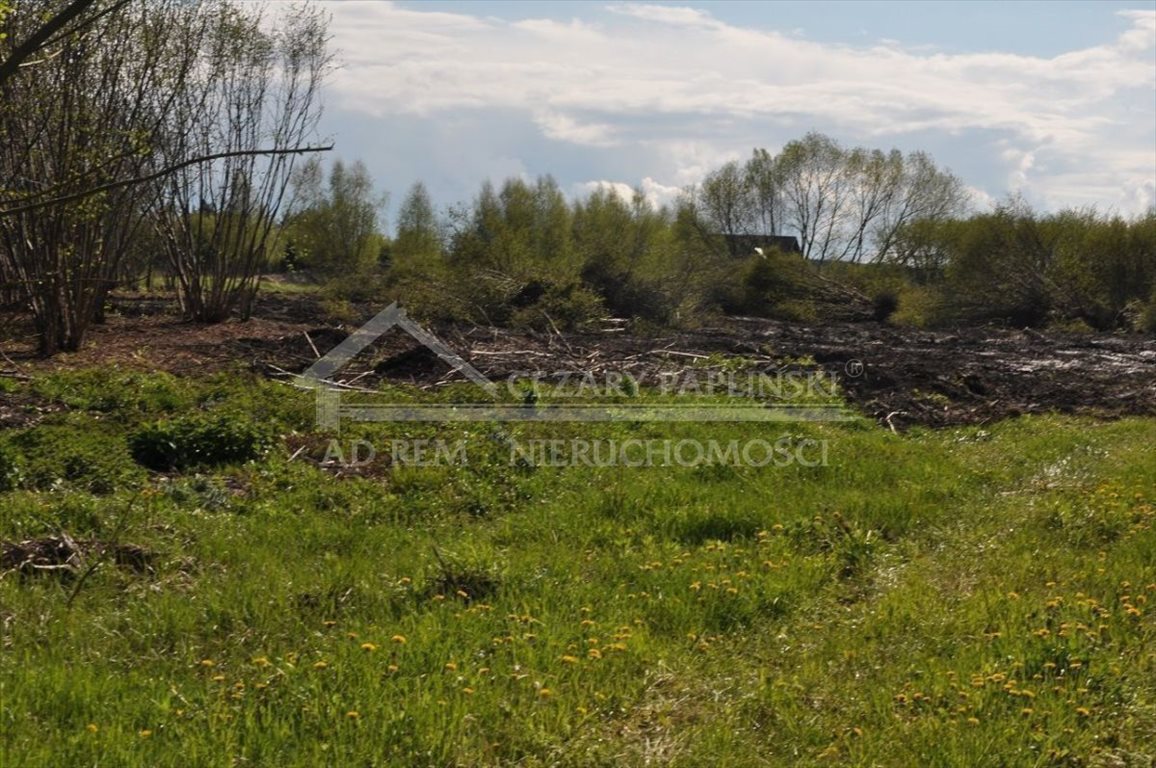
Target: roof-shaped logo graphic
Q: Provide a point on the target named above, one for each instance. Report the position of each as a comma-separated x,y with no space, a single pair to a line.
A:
318,374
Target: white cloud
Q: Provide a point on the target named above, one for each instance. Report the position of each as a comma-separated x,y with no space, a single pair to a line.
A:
689,91
656,195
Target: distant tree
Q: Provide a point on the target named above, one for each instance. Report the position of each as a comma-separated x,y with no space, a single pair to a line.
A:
336,221
419,234
817,187
516,231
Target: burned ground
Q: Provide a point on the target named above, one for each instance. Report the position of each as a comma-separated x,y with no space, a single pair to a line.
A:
898,376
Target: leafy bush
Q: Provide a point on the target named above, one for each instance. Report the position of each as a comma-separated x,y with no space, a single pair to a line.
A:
198,441
919,306
79,454
570,307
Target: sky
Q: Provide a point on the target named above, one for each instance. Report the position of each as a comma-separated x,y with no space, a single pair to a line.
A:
1054,101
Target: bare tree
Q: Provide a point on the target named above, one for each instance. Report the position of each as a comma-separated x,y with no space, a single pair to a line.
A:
816,187
257,88
72,122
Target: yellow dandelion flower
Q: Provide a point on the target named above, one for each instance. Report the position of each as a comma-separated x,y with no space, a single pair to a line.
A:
594,653
208,663
91,728
1026,711
352,714
329,623
368,647
261,661
145,733
484,671
545,693
1083,711
587,623
451,666
392,668
320,664
218,678
399,639
463,594
973,720
569,660
468,691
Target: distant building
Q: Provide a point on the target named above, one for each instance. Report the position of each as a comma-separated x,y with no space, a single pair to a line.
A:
745,245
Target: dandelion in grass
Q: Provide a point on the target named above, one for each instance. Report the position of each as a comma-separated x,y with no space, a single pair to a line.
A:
451,666
145,733
399,639
569,660
368,647
261,661
329,623
208,663
320,664
545,693
352,714
91,728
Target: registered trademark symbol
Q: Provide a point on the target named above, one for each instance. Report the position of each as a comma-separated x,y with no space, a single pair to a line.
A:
854,368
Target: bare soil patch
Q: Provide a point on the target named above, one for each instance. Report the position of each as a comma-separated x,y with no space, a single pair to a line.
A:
895,375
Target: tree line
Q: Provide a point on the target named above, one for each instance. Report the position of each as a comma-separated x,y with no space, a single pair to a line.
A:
884,236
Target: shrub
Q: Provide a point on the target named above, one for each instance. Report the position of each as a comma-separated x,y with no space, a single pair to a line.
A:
919,307
76,454
570,308
198,441
884,304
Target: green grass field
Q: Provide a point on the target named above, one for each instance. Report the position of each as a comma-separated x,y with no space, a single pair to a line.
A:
967,597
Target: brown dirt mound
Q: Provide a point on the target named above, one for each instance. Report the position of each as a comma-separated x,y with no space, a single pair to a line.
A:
64,555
